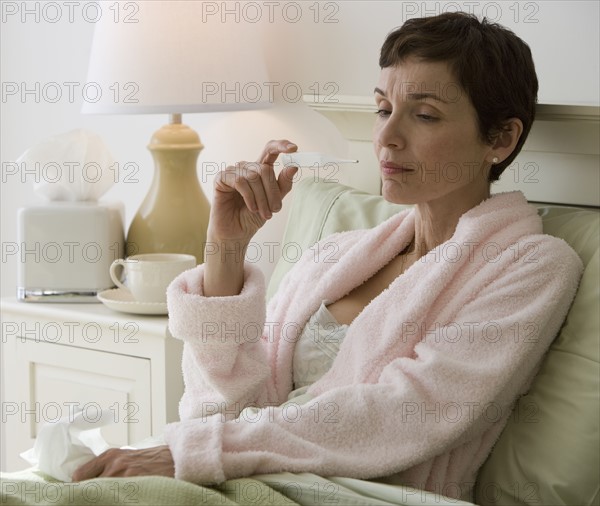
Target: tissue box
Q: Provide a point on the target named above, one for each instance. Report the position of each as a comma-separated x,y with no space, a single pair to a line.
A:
66,249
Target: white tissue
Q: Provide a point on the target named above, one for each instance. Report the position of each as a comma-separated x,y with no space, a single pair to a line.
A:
74,166
61,447
311,159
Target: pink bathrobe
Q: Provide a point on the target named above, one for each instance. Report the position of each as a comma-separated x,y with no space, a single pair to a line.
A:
425,378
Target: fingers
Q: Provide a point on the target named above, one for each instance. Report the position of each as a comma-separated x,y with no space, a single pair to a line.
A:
93,468
263,195
256,183
249,180
272,150
286,179
280,187
116,462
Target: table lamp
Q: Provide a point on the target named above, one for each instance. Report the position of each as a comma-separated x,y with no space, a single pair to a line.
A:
162,58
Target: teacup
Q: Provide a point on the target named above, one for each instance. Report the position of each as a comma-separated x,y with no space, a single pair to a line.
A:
148,275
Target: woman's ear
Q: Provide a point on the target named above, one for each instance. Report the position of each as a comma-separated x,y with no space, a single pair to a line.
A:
506,140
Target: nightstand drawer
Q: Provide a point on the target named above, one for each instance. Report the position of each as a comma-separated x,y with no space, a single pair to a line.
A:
59,357
50,380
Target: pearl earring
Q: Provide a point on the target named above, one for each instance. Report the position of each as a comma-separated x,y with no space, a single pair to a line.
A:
495,159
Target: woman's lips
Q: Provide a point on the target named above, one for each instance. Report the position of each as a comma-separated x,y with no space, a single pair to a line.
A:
391,168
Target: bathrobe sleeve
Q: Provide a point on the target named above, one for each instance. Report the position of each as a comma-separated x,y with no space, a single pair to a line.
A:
230,350
416,407
224,364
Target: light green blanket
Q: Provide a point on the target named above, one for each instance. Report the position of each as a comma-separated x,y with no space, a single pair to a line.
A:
32,487
139,491
35,488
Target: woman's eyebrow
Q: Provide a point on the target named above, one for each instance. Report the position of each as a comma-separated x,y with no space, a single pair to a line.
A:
415,96
423,96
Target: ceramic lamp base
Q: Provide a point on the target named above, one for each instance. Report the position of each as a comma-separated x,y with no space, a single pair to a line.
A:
173,218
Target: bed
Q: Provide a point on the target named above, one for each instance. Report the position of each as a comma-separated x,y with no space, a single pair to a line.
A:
547,454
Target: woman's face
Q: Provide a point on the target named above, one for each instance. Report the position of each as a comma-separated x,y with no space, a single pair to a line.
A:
426,136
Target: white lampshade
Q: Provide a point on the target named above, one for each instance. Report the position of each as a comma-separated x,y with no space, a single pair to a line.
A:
170,61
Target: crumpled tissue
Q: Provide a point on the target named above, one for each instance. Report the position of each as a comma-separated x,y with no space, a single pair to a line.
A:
73,166
61,447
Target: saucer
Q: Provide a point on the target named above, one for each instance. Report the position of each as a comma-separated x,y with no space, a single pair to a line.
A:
122,300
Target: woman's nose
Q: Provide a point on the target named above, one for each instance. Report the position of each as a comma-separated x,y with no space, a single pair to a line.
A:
390,133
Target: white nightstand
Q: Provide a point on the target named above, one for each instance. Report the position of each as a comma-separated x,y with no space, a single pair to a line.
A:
59,357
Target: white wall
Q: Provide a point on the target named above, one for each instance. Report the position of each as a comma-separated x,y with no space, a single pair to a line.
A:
331,48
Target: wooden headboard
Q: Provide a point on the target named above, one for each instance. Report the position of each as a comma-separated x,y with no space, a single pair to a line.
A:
560,162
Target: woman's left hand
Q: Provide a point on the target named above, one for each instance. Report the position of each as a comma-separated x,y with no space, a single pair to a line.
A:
115,462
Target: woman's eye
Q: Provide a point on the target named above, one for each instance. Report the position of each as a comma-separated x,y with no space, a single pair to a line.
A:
383,112
427,117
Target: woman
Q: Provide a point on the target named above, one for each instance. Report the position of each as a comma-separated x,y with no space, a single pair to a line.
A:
441,313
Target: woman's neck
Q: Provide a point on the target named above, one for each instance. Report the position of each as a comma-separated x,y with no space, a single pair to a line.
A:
435,221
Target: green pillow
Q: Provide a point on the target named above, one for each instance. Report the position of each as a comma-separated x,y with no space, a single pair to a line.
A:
549,452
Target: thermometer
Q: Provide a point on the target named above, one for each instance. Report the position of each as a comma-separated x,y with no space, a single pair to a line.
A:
311,159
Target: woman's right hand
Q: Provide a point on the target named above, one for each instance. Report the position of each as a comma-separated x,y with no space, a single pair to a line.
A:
245,197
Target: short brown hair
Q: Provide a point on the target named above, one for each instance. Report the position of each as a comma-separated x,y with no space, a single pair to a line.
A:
492,65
